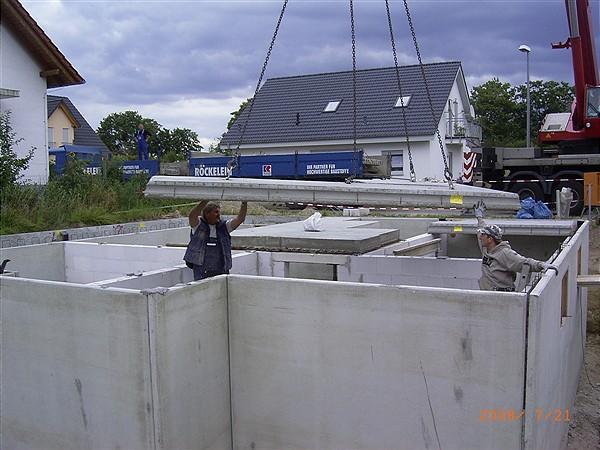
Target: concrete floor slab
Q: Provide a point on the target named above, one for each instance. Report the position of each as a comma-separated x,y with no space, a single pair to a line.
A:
339,235
361,192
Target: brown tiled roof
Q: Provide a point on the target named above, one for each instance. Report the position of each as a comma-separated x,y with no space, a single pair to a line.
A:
57,70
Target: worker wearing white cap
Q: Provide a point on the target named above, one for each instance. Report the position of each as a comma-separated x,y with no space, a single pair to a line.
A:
500,262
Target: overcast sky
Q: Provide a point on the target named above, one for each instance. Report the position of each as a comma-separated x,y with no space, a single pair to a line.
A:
190,63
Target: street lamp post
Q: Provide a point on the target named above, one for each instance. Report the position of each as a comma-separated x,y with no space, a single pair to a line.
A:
527,50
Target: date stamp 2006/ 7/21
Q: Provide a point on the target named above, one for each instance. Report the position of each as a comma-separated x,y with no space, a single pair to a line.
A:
499,415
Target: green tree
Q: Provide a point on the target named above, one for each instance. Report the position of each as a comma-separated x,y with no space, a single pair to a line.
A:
235,114
502,108
117,131
11,165
546,97
177,143
497,111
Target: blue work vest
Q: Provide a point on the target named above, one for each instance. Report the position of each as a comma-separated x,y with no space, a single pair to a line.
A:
196,249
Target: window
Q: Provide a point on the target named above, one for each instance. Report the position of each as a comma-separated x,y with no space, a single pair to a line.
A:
397,163
65,136
405,99
51,142
593,108
332,106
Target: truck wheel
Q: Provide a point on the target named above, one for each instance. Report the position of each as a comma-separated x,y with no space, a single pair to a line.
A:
525,190
577,203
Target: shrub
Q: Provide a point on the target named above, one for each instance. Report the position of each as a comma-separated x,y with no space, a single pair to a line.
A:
11,166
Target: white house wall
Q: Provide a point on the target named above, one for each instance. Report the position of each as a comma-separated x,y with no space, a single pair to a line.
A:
19,71
425,150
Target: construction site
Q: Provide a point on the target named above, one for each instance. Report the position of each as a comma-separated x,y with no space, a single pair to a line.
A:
363,321
370,333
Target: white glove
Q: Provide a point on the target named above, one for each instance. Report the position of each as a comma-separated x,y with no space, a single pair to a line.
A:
479,209
548,266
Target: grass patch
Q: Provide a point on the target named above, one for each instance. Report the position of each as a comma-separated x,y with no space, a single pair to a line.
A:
78,200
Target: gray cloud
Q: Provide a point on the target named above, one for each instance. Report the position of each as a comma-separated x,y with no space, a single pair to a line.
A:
171,57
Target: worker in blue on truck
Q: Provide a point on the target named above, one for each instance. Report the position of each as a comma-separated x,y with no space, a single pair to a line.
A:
209,252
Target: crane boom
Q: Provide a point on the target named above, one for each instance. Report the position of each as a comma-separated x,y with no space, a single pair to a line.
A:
579,130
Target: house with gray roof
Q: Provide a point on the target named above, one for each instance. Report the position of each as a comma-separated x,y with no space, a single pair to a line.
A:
67,126
314,113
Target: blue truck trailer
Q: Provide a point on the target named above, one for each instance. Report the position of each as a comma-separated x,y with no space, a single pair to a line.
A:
326,166
330,166
94,164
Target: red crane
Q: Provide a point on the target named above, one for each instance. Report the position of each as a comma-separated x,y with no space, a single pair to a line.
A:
579,130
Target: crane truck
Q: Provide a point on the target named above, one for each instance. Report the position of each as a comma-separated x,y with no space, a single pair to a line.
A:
569,150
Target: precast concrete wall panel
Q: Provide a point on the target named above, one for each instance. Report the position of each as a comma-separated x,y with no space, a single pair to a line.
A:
150,280
268,267
245,263
343,365
75,367
192,366
156,237
42,261
87,262
557,309
414,271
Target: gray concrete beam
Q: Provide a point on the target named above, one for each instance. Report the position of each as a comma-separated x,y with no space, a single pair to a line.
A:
510,227
360,192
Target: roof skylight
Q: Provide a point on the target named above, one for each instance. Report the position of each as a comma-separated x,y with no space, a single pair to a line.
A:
405,99
332,106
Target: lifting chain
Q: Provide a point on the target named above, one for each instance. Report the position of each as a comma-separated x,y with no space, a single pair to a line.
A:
234,162
413,176
354,154
447,172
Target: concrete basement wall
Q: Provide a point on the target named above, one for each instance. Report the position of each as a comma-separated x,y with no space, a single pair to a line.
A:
149,280
244,263
86,262
191,370
344,365
458,273
554,348
75,367
157,237
42,261
91,368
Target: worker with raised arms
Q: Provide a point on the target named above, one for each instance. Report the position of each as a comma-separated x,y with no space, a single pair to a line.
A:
209,252
500,262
